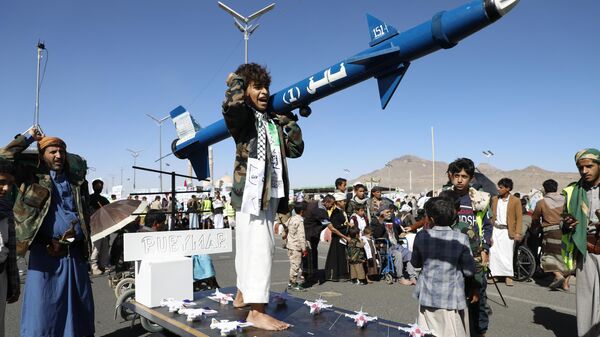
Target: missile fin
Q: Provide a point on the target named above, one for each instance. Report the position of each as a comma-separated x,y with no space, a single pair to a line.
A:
388,83
199,161
379,30
365,58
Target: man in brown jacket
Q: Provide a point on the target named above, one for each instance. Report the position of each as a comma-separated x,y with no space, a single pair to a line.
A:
508,222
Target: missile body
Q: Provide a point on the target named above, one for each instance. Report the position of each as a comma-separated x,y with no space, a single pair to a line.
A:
387,60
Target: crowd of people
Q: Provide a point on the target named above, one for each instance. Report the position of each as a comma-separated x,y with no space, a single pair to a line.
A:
451,271
448,244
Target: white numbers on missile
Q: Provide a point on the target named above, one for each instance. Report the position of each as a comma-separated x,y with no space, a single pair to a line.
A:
291,95
380,31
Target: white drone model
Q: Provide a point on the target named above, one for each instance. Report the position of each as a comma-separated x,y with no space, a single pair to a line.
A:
221,297
361,318
194,314
416,331
174,305
228,328
317,306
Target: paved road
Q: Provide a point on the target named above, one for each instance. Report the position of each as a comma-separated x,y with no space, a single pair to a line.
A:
533,310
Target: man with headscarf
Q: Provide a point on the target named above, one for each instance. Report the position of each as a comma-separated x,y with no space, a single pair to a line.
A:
583,207
9,273
52,222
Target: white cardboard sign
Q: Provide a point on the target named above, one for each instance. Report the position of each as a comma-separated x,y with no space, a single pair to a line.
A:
141,246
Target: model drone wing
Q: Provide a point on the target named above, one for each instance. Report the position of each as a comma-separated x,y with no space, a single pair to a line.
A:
221,297
195,313
415,331
227,327
174,305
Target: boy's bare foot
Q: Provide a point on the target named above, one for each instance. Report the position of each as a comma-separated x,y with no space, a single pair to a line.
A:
265,322
238,302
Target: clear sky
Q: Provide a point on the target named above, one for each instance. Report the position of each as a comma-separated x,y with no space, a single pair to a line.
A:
525,87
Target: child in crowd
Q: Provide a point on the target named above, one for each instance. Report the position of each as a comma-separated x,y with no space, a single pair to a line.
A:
472,284
295,244
356,257
359,218
371,255
445,258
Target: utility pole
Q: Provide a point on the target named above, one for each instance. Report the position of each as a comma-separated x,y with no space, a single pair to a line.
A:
488,154
246,29
159,122
36,118
134,154
389,166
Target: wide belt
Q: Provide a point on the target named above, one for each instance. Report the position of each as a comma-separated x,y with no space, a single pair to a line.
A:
501,226
550,228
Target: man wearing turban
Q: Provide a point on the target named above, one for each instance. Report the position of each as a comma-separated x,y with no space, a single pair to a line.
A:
52,222
582,209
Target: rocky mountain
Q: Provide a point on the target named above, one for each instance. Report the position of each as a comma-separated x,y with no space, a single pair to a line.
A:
414,174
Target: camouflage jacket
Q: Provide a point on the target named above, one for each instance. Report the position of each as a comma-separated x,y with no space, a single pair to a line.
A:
356,251
35,191
296,240
241,122
476,249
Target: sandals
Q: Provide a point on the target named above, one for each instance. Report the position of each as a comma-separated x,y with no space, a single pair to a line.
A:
557,283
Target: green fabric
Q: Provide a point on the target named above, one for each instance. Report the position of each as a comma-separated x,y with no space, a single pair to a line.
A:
578,204
579,209
567,246
591,153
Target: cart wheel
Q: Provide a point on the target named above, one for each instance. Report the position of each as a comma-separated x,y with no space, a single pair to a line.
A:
124,284
149,325
125,314
389,279
524,264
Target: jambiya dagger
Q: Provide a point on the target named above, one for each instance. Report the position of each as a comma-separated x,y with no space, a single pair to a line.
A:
387,60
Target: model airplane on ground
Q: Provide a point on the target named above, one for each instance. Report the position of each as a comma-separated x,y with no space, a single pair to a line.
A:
221,297
228,328
414,330
317,306
174,305
361,318
194,313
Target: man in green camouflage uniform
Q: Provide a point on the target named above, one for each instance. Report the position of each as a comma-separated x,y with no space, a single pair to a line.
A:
51,219
260,184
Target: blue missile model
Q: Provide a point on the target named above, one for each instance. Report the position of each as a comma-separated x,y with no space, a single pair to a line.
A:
387,59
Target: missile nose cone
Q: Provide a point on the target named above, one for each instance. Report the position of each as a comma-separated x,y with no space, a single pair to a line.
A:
505,6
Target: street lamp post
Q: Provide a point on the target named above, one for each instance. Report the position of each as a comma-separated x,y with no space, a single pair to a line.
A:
389,166
246,29
488,154
134,154
159,122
